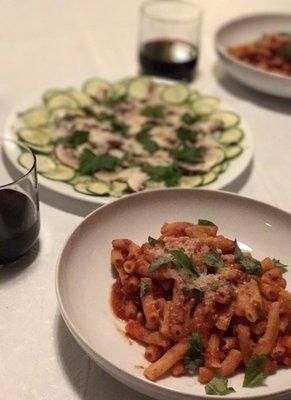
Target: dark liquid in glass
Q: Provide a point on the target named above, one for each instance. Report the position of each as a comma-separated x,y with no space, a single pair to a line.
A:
19,224
169,58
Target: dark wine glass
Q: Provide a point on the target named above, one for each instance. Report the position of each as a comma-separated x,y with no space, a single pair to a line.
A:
169,39
19,205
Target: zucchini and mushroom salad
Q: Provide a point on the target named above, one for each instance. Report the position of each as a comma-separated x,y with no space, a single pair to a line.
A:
136,134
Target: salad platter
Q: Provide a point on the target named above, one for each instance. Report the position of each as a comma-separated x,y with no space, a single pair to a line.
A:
107,140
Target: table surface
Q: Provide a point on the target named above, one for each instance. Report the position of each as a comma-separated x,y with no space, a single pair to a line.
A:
46,43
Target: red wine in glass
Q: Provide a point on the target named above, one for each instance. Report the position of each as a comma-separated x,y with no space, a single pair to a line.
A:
19,224
173,59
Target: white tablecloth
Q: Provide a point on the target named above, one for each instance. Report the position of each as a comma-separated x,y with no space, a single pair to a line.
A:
46,43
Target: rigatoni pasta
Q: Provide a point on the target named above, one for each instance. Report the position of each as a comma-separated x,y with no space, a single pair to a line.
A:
199,304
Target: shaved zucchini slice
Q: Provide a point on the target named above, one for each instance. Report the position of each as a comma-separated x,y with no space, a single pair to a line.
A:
44,164
233,151
81,187
61,173
217,169
194,95
175,94
50,93
224,166
41,149
210,177
81,179
233,135
117,189
80,97
61,100
34,136
26,160
98,187
35,117
205,105
139,88
229,119
117,91
96,88
190,181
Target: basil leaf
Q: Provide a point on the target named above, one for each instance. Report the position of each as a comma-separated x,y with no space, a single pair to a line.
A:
251,266
218,385
192,155
193,290
118,126
190,364
90,162
196,349
212,259
285,51
153,111
189,118
278,263
238,254
157,262
147,143
78,137
170,175
185,134
152,241
182,259
254,374
205,222
143,287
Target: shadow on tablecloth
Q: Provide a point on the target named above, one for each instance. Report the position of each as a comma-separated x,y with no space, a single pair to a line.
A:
273,103
88,380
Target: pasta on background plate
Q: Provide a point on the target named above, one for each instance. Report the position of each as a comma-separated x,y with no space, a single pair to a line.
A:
202,306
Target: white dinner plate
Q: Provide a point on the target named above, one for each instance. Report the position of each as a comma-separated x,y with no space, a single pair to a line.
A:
247,29
236,168
84,278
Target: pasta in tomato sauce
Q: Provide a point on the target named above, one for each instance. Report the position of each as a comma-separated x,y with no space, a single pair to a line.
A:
201,305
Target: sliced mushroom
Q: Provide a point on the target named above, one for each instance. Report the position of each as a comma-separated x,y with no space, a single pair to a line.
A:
208,126
107,176
66,155
212,156
164,136
137,179
104,139
160,157
133,147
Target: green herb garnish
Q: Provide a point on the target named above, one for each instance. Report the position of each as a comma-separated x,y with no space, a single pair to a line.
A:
285,51
189,118
212,259
90,162
192,155
157,262
170,175
193,290
184,261
205,222
147,143
192,365
152,241
185,134
278,264
78,137
194,356
251,266
254,374
153,111
118,126
218,385
143,287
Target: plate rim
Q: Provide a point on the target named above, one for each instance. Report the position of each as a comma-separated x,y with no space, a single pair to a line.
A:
64,188
108,366
220,49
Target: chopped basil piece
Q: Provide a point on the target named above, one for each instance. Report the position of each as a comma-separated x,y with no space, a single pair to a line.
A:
254,374
118,126
192,155
192,365
157,262
189,118
153,111
205,222
185,134
285,51
218,385
196,349
278,263
170,175
78,137
251,266
212,259
193,290
152,241
143,287
147,143
90,162
182,259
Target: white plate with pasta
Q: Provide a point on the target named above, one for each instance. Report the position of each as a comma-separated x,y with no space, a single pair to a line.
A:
195,304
